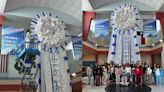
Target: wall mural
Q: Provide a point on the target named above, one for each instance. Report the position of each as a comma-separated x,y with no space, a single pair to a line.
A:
124,48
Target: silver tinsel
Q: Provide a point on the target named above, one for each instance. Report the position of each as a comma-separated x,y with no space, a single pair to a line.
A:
50,31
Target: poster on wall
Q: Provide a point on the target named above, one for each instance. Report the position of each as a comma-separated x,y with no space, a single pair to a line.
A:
149,27
101,28
77,47
100,32
12,38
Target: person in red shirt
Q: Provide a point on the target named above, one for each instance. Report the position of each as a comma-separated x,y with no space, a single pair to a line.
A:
138,73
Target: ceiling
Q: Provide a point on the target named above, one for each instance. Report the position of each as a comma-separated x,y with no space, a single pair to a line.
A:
142,5
68,10
19,13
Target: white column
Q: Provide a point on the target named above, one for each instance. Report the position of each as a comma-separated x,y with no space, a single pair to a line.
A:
162,57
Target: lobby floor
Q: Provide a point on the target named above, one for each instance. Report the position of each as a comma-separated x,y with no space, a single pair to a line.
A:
92,88
118,88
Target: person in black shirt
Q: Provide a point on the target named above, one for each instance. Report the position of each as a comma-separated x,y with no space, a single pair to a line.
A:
101,74
94,72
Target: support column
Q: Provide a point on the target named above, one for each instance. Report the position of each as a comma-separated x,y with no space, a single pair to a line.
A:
160,16
87,17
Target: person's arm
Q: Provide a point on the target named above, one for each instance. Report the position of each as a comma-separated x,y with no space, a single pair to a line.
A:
161,72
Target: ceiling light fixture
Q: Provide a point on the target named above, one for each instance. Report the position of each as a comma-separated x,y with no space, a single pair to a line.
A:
74,74
161,40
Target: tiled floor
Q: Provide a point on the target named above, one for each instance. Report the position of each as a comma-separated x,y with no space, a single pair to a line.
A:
114,88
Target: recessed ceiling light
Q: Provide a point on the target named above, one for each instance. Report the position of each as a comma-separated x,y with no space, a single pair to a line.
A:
161,40
74,74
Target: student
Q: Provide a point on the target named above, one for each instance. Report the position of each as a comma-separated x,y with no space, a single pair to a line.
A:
101,73
133,74
98,75
109,74
105,75
112,73
124,77
128,72
89,73
153,71
159,75
138,73
118,72
149,75
94,72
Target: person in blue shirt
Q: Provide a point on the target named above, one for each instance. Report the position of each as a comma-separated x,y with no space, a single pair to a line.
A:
159,75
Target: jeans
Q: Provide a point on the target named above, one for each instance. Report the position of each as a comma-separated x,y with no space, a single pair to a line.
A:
128,77
159,80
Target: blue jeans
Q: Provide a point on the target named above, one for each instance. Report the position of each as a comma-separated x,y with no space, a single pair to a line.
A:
159,80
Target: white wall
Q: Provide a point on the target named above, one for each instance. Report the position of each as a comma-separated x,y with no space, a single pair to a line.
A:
147,59
157,59
102,59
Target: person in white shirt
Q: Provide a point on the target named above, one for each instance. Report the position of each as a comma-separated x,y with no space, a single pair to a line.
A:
89,73
124,76
149,74
128,72
28,39
105,75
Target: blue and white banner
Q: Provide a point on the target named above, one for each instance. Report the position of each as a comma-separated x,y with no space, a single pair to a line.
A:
77,47
11,38
149,27
101,28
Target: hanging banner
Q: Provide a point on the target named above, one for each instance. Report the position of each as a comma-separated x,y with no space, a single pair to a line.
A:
149,27
12,38
77,47
101,28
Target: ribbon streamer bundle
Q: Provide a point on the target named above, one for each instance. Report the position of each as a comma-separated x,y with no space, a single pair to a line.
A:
51,32
124,48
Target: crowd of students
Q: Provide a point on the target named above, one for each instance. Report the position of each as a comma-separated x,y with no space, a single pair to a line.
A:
125,73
